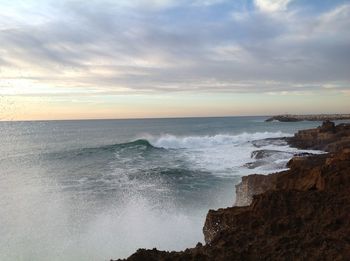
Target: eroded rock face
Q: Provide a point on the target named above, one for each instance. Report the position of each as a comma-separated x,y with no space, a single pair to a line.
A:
328,175
252,185
327,137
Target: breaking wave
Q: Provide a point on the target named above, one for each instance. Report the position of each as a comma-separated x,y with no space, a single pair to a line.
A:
192,142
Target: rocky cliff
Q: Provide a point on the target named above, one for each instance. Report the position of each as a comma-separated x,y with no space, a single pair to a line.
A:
327,137
299,214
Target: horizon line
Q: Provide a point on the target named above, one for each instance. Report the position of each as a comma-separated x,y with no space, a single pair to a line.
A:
175,117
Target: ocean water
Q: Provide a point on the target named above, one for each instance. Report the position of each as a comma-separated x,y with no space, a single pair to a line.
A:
100,189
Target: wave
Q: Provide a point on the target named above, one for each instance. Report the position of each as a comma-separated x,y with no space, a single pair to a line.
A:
136,145
197,142
140,143
169,141
216,153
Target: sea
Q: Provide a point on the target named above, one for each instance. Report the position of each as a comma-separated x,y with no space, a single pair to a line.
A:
101,189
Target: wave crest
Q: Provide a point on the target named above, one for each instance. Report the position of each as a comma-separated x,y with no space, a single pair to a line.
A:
197,142
139,142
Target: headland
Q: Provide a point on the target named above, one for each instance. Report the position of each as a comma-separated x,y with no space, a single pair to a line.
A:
310,117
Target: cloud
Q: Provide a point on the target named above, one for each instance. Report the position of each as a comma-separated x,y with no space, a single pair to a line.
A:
272,5
108,47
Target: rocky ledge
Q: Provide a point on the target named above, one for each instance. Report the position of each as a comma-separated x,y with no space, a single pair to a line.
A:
311,117
299,214
327,137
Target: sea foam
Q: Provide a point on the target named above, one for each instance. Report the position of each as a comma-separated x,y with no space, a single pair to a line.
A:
192,142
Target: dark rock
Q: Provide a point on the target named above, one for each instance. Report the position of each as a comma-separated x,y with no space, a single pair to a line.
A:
327,126
254,164
261,154
270,141
303,154
284,118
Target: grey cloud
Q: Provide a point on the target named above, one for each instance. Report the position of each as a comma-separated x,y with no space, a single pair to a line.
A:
183,57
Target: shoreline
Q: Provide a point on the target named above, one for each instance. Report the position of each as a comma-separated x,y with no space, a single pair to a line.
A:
309,117
300,213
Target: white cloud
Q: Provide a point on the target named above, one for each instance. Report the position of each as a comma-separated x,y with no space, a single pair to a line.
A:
207,2
150,4
272,5
338,18
164,4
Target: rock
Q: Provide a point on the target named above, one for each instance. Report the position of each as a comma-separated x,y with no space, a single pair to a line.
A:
327,137
256,184
270,141
327,126
284,118
252,185
303,154
262,154
328,175
254,164
312,117
268,157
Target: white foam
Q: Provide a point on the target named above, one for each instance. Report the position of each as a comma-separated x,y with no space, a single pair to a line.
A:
221,154
168,141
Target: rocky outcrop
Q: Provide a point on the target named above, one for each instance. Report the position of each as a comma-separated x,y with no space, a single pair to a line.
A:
327,174
265,156
299,214
252,185
257,184
312,117
327,137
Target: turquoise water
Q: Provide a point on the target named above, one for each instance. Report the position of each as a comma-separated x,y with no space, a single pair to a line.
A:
100,189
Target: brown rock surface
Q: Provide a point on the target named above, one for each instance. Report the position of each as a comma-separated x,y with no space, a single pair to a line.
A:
252,185
327,137
300,214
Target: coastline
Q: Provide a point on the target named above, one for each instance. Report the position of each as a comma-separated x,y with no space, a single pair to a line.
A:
309,117
300,213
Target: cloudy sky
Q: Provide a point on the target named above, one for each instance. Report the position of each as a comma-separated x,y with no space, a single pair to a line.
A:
73,59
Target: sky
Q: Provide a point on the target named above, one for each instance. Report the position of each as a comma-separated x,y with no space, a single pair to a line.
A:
74,59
